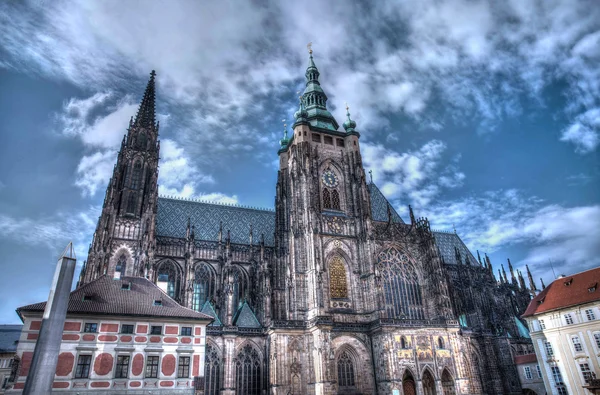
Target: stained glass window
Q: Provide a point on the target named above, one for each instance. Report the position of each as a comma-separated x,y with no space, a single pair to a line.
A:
240,286
203,286
247,372
212,371
345,370
401,289
326,198
338,286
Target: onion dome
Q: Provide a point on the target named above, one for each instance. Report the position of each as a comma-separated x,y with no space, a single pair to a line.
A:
349,125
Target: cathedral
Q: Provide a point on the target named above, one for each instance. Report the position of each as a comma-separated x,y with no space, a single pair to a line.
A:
332,292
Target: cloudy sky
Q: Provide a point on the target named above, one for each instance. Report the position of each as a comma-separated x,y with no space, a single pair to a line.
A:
483,115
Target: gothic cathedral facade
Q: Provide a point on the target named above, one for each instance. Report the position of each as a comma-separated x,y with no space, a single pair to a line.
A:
330,293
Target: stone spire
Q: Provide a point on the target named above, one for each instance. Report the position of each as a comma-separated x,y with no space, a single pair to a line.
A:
146,116
513,279
543,285
504,274
532,286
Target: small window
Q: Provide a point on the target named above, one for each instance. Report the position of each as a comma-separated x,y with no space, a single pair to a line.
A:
186,331
152,367
335,200
90,327
83,367
597,339
440,343
340,142
328,140
549,349
589,314
126,328
403,342
528,375
586,372
183,371
316,138
539,371
87,298
592,287
305,133
577,344
158,302
126,286
155,330
354,142
542,325
569,319
122,368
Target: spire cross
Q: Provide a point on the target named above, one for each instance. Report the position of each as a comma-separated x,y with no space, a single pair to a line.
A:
309,46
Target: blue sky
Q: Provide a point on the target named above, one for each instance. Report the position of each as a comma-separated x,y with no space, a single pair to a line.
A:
483,115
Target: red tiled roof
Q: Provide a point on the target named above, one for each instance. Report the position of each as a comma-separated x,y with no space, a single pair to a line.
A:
567,291
107,296
527,358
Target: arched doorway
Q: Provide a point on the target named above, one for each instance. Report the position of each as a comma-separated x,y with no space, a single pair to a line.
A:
448,383
428,383
408,384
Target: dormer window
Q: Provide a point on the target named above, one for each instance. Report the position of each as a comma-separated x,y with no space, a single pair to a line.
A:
126,286
158,302
592,287
568,282
87,298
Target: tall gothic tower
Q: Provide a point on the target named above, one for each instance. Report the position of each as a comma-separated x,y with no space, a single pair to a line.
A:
321,192
123,241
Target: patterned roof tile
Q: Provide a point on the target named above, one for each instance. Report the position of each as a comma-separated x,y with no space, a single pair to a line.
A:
446,242
379,206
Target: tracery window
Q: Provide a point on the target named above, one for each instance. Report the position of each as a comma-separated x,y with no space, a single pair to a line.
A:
203,286
247,372
401,289
338,286
335,200
169,275
326,198
212,371
403,343
121,264
345,369
131,203
428,383
136,175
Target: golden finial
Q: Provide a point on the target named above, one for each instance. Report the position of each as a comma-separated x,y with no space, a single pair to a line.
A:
309,46
347,108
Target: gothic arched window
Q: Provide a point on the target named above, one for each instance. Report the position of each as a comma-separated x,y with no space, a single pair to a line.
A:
142,140
326,198
121,264
345,369
204,281
136,175
335,200
401,289
448,383
403,343
212,371
168,278
440,343
240,287
338,286
247,372
131,203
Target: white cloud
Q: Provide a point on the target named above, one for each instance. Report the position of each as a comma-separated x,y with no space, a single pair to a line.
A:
54,231
584,132
94,171
568,236
415,176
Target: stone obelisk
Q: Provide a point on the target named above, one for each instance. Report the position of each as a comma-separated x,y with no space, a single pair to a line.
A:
47,348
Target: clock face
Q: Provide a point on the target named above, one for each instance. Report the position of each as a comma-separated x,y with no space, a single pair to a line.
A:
329,179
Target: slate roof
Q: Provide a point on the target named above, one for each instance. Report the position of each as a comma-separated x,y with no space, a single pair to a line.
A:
173,214
379,206
446,241
109,298
566,292
9,337
245,318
